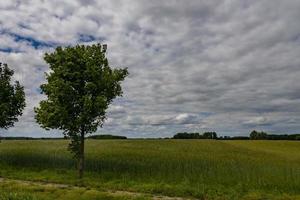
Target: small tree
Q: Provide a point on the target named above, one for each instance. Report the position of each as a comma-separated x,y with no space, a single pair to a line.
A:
12,98
79,88
210,135
255,135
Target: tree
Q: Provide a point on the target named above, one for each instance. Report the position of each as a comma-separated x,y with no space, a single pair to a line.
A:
255,135
210,135
79,89
12,98
206,135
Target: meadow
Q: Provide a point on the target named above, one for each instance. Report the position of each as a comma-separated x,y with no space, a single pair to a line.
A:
200,169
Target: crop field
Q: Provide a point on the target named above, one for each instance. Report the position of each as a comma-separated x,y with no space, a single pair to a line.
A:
190,169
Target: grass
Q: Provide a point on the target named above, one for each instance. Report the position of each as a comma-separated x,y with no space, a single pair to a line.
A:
204,169
15,190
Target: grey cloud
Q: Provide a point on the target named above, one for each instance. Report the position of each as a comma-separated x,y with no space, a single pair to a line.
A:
237,60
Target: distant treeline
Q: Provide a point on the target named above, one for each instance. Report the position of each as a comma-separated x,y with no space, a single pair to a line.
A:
254,135
30,138
101,137
63,138
206,135
234,138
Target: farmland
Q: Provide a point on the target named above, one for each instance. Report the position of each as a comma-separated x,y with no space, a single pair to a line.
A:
201,169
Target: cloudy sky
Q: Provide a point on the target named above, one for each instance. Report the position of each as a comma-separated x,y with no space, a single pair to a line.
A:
227,66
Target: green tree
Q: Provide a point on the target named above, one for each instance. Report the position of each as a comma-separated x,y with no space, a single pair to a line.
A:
210,135
255,135
12,98
79,88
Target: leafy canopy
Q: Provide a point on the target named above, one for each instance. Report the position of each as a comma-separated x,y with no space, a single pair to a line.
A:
79,89
12,98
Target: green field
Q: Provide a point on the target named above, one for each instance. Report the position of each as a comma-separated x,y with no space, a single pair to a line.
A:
201,169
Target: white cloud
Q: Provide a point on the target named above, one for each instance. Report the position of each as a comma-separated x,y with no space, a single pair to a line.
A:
238,61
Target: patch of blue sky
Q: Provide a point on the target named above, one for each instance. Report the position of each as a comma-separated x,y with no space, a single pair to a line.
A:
86,38
6,49
9,50
34,42
90,38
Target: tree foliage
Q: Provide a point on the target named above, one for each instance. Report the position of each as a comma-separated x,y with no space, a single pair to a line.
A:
205,135
79,89
256,135
107,137
12,98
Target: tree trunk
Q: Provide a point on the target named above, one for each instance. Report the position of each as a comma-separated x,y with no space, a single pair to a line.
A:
81,155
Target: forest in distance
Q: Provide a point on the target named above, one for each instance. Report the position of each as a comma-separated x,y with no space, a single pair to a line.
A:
254,135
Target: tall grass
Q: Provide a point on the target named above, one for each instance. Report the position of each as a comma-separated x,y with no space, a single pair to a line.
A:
15,196
17,190
183,167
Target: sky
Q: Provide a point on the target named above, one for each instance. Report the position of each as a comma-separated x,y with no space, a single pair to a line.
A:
227,66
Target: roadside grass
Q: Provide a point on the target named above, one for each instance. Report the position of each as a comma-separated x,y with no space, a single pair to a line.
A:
204,169
12,190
